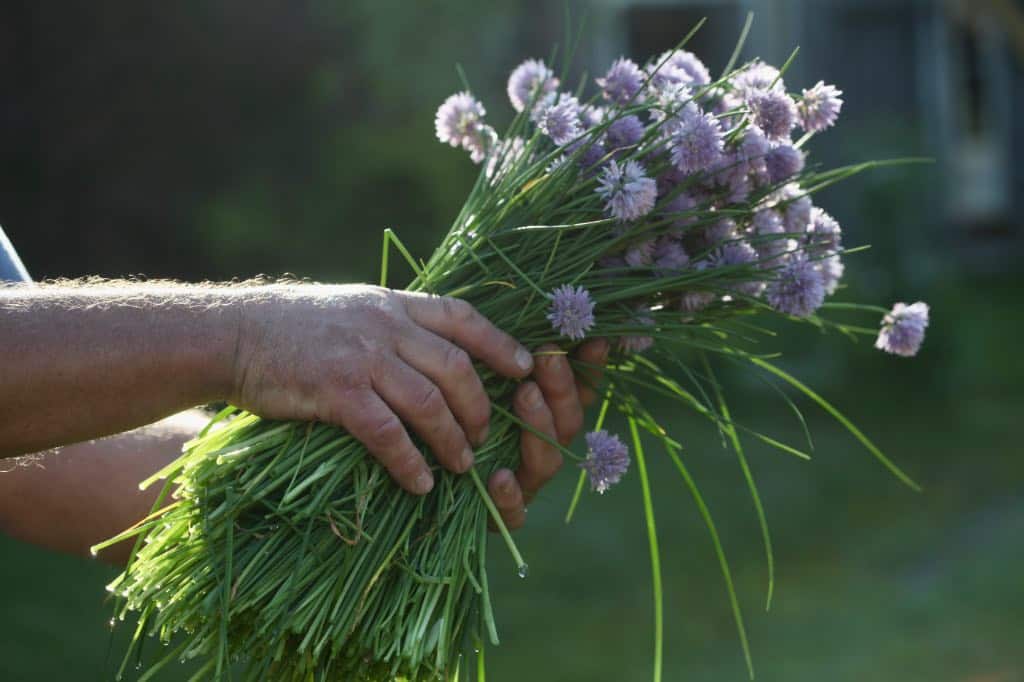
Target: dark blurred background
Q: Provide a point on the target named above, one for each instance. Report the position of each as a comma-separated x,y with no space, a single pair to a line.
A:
223,139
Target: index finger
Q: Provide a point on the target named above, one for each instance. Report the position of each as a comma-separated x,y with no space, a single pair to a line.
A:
461,323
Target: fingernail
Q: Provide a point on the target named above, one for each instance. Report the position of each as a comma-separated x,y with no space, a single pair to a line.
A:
534,399
506,486
524,359
466,459
424,483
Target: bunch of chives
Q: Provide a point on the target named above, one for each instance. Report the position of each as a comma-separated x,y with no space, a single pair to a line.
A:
669,212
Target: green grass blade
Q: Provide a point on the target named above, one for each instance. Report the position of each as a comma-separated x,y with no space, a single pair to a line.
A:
652,540
839,417
719,552
737,446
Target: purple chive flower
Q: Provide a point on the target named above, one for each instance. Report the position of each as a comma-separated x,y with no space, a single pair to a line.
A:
683,67
607,460
737,180
670,98
716,233
638,344
831,270
796,208
903,329
628,192
559,120
736,254
758,77
480,144
624,132
591,115
819,107
774,113
824,235
622,81
798,290
529,82
669,257
459,122
753,149
679,208
640,254
592,154
696,143
572,311
769,244
783,161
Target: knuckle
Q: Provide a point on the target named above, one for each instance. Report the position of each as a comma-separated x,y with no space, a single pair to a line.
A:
457,310
457,361
386,431
430,402
353,376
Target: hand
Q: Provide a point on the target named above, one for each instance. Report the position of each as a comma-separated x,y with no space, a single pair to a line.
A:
553,405
367,358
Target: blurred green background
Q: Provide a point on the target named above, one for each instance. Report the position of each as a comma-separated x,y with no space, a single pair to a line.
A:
224,139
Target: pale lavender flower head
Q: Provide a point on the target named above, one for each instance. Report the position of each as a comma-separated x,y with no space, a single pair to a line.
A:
637,343
559,120
798,289
831,270
783,161
678,208
459,119
682,67
624,132
758,77
640,254
670,98
591,155
753,148
669,257
796,208
736,178
903,329
770,245
622,82
716,233
628,193
591,115
696,143
819,107
529,82
607,460
572,311
824,236
774,113
735,254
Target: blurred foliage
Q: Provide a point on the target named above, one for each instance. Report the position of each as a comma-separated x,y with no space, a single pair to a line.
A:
222,139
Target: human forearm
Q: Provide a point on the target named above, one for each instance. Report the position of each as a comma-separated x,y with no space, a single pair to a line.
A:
74,497
82,362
